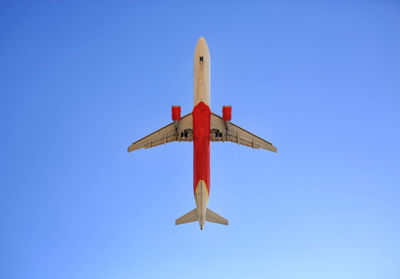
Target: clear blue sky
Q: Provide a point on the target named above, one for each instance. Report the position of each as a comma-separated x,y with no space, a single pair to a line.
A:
81,80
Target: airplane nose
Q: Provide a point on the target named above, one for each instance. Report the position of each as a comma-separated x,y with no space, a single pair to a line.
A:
201,40
201,45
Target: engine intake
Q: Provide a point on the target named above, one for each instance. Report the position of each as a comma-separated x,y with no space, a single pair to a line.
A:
227,113
176,113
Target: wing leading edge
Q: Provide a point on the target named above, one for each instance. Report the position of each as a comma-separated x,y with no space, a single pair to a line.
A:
226,131
181,130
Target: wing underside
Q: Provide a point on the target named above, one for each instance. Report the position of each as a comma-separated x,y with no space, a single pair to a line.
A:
181,130
226,131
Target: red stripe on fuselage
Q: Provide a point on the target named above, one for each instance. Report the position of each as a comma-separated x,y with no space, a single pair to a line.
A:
201,144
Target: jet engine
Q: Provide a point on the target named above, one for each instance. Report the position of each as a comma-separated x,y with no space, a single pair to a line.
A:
227,113
176,113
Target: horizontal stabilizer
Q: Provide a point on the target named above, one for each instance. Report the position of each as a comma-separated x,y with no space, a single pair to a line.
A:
187,218
213,217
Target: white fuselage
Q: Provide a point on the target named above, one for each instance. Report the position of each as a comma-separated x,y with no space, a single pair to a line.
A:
201,128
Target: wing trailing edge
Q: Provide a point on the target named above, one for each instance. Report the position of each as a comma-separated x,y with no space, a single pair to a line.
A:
181,130
222,131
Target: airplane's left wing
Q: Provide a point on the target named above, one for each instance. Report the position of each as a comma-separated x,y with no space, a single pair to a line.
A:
181,130
227,131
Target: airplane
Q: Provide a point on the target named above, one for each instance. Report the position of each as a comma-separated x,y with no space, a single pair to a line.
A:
201,127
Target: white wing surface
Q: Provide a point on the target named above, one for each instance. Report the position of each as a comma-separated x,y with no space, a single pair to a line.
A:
226,131
181,130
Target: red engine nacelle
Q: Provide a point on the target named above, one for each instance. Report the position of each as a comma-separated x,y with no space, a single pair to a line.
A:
176,113
227,113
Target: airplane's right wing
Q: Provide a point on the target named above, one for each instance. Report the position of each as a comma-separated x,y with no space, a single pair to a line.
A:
181,130
226,131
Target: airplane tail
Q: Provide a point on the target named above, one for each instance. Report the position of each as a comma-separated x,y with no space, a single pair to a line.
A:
211,216
187,218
